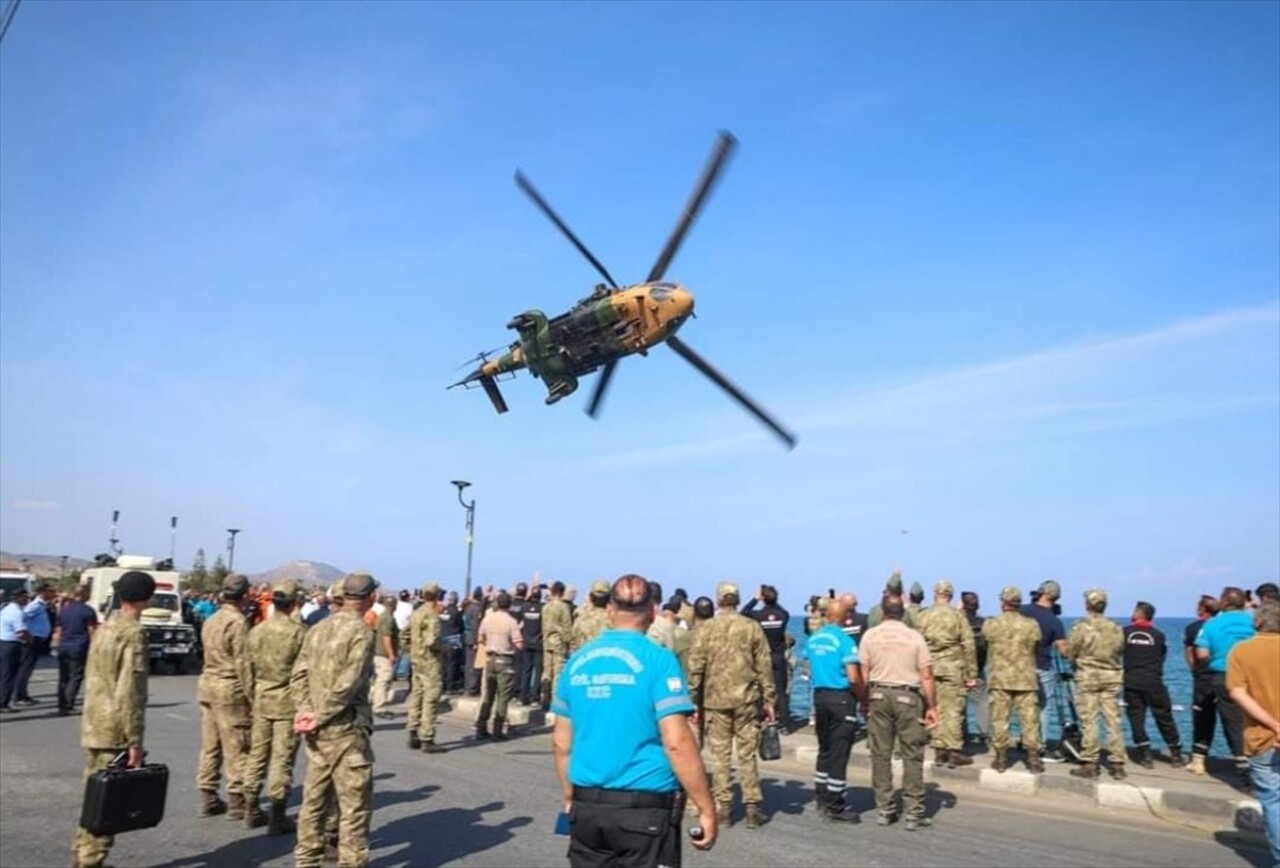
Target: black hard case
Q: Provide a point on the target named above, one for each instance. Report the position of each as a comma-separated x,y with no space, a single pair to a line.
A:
123,800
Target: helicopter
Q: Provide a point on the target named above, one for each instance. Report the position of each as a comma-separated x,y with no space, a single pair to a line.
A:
614,321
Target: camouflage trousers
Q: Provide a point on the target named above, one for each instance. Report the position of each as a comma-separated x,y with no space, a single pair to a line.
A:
895,716
725,728
339,767
1026,703
224,738
271,741
90,851
424,698
552,665
951,693
1101,700
380,694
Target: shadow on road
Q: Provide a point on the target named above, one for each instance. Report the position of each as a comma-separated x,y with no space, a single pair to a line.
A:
1248,848
785,797
438,837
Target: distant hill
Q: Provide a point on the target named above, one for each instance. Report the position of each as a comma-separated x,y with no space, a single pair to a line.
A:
307,572
41,566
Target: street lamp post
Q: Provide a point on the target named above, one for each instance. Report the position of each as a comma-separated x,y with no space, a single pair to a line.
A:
64,567
231,547
471,527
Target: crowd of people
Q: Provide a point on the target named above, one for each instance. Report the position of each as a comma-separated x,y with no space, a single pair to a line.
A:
30,627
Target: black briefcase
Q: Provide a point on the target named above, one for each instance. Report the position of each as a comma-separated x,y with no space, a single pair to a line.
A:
122,800
770,743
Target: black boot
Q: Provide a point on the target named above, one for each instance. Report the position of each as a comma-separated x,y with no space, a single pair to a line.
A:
1143,757
482,731
1001,761
500,729
1176,757
414,741
278,823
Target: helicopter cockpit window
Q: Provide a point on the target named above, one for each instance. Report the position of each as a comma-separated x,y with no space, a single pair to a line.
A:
660,291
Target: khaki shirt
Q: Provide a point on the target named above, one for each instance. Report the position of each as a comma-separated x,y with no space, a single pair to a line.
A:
500,633
115,685
893,653
227,677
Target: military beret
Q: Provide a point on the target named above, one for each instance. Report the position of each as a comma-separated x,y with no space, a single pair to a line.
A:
726,589
599,586
235,585
1095,597
335,591
1050,589
431,588
1011,594
916,590
358,585
894,585
135,586
287,588
672,605
944,588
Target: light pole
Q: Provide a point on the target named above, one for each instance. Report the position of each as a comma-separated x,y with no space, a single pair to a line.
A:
64,567
471,527
231,547
173,537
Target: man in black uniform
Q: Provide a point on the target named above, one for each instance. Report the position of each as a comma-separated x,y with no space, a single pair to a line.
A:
451,645
1204,703
854,623
1144,652
773,619
519,602
978,696
529,688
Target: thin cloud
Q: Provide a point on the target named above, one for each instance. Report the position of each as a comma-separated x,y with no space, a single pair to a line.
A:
31,505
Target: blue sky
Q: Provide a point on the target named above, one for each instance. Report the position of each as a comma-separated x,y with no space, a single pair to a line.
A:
1012,272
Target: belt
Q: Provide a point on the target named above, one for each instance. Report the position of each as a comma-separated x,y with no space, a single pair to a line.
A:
500,654
624,798
880,685
844,690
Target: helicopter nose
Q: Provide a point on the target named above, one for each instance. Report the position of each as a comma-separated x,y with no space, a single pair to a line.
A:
681,303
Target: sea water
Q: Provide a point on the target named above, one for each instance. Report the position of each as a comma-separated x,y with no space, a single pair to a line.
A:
1177,677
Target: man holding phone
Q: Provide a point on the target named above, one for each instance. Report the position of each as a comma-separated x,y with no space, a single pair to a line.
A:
623,744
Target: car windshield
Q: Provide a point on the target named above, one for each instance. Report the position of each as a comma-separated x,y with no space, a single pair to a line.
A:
165,601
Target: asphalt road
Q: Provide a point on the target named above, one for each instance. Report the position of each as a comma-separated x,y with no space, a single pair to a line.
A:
495,804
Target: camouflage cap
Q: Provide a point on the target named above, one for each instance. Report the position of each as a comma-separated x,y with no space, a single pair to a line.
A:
335,592
1095,597
944,588
894,585
1050,589
286,588
431,588
598,587
1011,594
235,585
358,585
726,589
823,603
917,592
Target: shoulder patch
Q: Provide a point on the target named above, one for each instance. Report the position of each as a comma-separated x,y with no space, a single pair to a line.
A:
675,685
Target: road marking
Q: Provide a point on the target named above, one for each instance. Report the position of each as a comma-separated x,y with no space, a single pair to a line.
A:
174,716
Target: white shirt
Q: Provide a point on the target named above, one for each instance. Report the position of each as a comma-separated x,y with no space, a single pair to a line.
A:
307,608
402,614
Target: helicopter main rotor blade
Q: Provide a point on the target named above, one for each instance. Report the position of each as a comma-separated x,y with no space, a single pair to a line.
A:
533,194
593,406
723,148
737,394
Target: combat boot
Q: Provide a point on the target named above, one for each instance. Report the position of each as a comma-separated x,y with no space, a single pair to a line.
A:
1001,760
279,823
1196,766
1085,770
839,812
253,815
960,758
430,746
1176,757
414,741
724,814
912,824
210,804
1035,765
482,731
1117,771
755,816
235,806
545,697
1143,757
500,729
942,758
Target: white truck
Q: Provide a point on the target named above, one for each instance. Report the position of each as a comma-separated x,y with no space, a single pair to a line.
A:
12,581
171,641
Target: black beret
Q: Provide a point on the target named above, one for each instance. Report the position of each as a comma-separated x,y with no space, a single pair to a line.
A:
135,586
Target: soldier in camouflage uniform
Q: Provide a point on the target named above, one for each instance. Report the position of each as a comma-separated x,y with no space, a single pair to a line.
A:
591,619
115,699
955,669
892,588
225,692
557,633
273,649
1097,650
730,671
1012,639
426,671
330,686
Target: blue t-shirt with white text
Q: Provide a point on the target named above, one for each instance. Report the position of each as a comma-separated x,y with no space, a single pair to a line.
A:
830,650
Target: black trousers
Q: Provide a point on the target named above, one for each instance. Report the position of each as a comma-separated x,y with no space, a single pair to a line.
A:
781,683
609,834
70,676
471,681
31,654
833,712
1231,715
451,667
1204,713
10,661
529,675
1155,697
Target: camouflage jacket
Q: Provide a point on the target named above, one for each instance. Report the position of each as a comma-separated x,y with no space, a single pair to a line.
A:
589,623
730,663
1097,650
685,615
227,678
332,673
950,640
663,632
875,618
424,638
557,626
385,628
115,685
1012,640
273,647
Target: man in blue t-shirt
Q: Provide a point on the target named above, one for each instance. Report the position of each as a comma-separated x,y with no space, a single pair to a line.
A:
623,745
1044,609
1232,625
76,623
837,681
